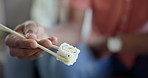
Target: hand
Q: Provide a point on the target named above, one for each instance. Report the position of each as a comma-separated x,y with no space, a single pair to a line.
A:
27,49
99,47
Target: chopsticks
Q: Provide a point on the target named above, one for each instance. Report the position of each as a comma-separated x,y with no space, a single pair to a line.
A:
6,29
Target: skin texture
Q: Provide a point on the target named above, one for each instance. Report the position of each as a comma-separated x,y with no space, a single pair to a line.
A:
27,48
69,32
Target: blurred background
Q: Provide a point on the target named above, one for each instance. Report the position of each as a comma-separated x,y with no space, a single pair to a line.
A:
14,12
51,13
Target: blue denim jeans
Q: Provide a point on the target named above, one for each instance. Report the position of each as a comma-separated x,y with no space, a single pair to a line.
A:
87,66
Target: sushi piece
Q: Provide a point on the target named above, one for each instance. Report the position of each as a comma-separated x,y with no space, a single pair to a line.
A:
68,52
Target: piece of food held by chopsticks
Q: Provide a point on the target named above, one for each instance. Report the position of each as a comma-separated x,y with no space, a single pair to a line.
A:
66,53
69,52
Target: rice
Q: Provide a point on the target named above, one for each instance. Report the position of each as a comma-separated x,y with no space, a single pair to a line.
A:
68,52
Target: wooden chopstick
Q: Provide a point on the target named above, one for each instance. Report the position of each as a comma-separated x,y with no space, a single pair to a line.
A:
6,29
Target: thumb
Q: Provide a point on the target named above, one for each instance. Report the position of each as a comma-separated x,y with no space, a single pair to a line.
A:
30,30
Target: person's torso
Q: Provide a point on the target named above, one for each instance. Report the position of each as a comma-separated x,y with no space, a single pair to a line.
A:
111,17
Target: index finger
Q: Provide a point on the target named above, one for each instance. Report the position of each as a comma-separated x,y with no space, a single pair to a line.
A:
14,41
26,43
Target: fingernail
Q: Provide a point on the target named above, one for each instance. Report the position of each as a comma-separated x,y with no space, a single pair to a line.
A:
31,36
28,34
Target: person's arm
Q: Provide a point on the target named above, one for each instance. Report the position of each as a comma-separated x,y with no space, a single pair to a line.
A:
28,49
137,43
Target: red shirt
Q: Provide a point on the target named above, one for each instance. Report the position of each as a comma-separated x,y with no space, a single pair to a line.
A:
113,17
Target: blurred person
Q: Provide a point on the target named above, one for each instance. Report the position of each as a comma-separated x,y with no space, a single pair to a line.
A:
117,45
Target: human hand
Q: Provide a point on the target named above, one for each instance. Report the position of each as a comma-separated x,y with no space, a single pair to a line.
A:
27,49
